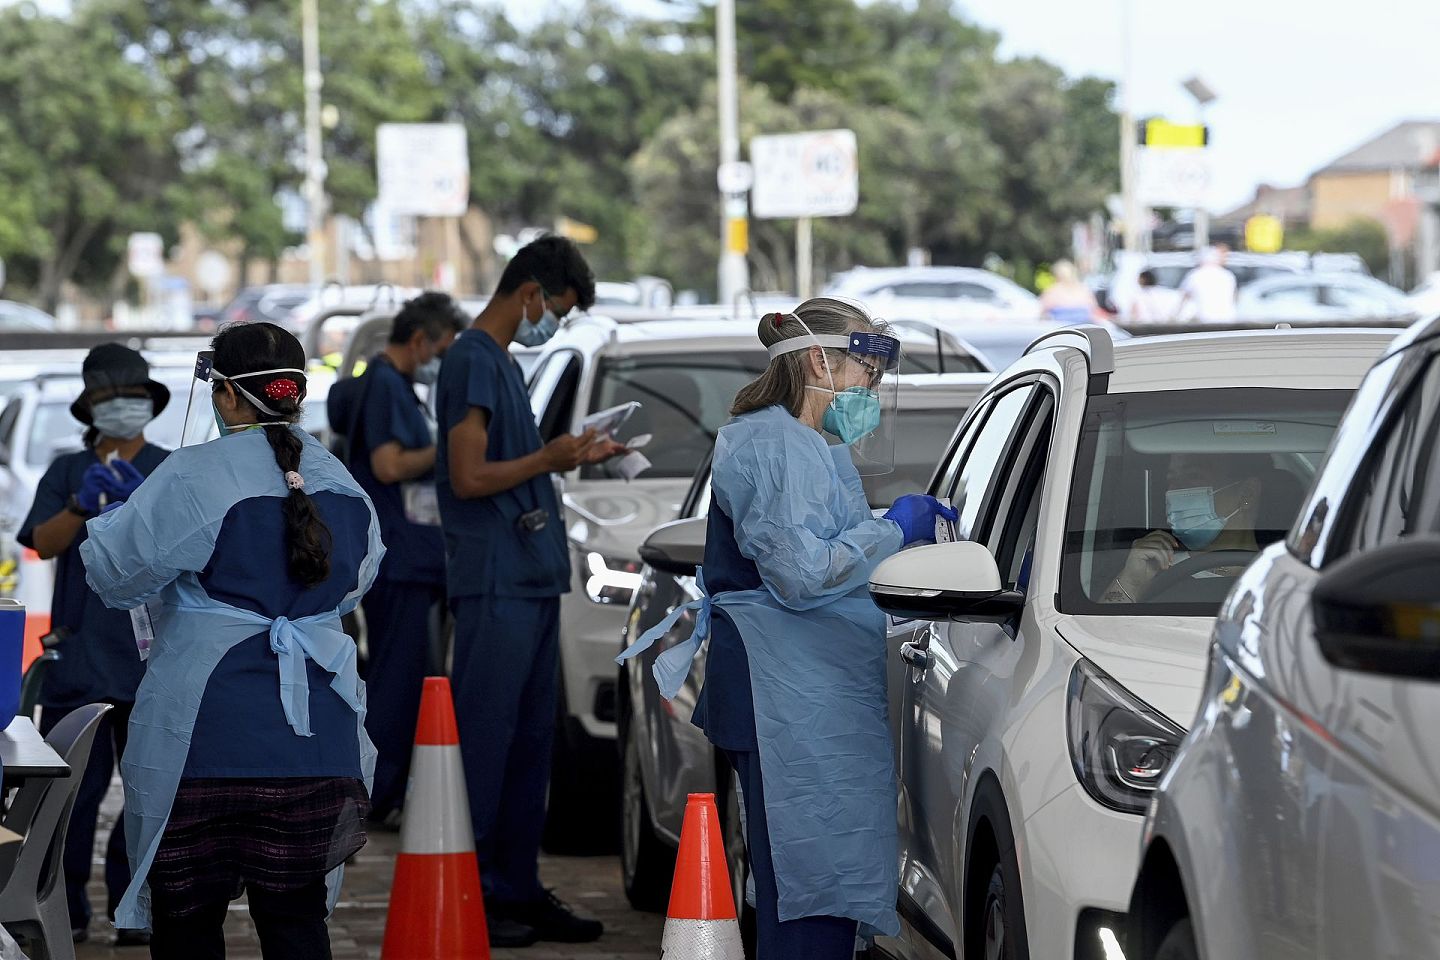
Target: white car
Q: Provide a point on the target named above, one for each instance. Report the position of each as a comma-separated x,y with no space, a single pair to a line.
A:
1301,817
1321,297
955,294
685,374
1032,713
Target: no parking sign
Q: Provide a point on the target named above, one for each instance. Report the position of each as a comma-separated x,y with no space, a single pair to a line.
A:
815,174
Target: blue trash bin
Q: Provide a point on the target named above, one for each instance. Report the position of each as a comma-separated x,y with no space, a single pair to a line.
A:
12,653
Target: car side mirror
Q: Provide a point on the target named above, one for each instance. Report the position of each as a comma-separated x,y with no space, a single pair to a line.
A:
945,581
677,547
1378,611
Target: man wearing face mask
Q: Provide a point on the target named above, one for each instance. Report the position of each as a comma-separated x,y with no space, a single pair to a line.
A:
391,453
507,565
1212,502
98,661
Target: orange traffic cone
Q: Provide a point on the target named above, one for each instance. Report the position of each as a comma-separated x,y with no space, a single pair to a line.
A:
436,908
701,922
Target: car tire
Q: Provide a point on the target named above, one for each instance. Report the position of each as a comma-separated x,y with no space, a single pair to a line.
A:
647,865
737,858
1179,943
994,899
999,920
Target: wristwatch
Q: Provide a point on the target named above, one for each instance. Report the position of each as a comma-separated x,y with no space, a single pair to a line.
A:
73,505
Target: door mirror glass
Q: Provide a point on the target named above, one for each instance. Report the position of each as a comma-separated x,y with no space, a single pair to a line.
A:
1378,611
944,581
677,547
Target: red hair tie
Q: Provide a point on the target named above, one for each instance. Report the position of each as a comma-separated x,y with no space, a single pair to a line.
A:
283,389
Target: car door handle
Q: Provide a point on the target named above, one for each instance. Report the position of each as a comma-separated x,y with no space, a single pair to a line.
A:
917,656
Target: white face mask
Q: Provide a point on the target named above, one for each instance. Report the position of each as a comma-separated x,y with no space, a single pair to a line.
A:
122,418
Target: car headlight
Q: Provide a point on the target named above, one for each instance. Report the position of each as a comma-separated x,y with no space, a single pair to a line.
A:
610,579
1120,746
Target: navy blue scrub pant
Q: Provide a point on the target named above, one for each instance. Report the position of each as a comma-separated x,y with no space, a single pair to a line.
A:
397,635
804,938
79,853
505,674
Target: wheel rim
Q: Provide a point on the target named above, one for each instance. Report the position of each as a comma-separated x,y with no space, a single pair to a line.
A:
735,848
994,929
633,797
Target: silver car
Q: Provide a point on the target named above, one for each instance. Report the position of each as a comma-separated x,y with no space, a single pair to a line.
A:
1301,816
663,756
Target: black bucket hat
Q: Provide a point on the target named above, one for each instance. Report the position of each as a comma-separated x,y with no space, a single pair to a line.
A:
112,366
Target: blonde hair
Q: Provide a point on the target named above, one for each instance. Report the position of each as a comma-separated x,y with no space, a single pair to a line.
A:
783,381
1064,272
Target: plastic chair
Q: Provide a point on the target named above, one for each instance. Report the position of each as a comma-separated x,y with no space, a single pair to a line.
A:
30,684
32,901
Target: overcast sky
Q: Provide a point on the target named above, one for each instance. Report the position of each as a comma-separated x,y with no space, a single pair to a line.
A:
1299,81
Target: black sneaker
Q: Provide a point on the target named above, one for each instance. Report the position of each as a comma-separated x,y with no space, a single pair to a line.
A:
551,920
132,938
508,933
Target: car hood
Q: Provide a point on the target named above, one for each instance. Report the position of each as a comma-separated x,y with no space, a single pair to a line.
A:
1159,659
613,517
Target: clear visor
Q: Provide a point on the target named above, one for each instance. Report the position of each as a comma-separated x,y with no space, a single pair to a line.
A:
863,370
200,424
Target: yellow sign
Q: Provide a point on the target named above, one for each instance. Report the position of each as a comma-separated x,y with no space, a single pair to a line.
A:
577,231
1264,234
737,235
1163,133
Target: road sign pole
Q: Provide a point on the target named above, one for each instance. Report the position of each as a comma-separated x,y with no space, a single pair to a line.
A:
804,258
314,159
734,272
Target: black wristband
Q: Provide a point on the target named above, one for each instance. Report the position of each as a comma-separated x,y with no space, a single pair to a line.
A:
73,505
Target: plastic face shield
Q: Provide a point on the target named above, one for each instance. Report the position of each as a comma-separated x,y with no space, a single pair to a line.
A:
871,363
199,410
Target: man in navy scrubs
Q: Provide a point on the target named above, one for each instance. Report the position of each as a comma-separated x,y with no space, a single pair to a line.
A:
508,564
391,453
99,662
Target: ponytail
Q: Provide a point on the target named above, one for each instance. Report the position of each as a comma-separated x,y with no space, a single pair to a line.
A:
244,347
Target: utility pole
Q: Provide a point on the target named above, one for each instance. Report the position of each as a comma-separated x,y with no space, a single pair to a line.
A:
314,156
1128,133
734,272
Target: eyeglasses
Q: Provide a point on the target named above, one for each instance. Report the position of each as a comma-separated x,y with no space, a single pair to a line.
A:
876,374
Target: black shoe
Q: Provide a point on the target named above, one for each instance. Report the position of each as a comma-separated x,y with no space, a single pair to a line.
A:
132,938
508,933
551,920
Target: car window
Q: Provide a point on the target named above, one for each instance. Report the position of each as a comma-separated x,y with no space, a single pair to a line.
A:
1245,455
684,398
8,417
919,444
1012,539
1356,297
1398,493
542,381
559,410
978,472
955,458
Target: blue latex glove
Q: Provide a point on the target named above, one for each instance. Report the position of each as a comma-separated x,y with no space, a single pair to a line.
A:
96,480
125,479
916,513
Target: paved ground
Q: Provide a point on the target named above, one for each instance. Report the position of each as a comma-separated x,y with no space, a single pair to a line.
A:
592,884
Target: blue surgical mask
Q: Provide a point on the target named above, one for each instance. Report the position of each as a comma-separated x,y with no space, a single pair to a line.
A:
1192,517
535,333
123,418
428,372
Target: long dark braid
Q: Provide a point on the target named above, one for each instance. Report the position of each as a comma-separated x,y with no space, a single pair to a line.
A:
239,349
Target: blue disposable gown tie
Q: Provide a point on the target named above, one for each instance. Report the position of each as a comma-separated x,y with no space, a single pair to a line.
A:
154,547
816,649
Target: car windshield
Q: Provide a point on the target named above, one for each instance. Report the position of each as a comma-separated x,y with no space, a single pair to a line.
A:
1176,491
923,437
684,398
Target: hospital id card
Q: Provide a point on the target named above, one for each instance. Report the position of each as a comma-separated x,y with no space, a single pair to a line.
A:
422,505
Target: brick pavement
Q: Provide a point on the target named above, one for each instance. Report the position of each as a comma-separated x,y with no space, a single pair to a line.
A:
591,884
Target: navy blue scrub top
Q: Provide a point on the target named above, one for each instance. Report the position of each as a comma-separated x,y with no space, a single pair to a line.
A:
487,551
241,730
389,412
725,709
99,660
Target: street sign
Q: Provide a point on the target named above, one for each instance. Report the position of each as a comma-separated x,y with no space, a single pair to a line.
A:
577,231
801,175
1264,234
1173,176
145,255
735,177
1163,134
423,169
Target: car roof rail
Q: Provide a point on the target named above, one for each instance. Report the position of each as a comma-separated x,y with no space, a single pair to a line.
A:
1093,339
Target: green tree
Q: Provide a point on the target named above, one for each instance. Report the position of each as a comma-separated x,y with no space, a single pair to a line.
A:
1362,236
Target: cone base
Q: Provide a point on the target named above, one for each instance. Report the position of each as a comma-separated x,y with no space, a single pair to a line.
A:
437,911
702,940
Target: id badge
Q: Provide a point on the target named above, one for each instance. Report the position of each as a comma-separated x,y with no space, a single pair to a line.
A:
422,506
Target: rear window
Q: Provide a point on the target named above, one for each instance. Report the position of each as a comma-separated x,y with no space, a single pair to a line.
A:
684,400
1236,464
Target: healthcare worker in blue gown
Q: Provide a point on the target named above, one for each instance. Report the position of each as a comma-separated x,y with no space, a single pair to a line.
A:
98,660
247,765
794,689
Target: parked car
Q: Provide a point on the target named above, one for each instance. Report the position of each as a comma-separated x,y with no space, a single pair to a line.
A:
269,302
1301,816
21,317
1321,297
685,373
664,758
1034,705
940,293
